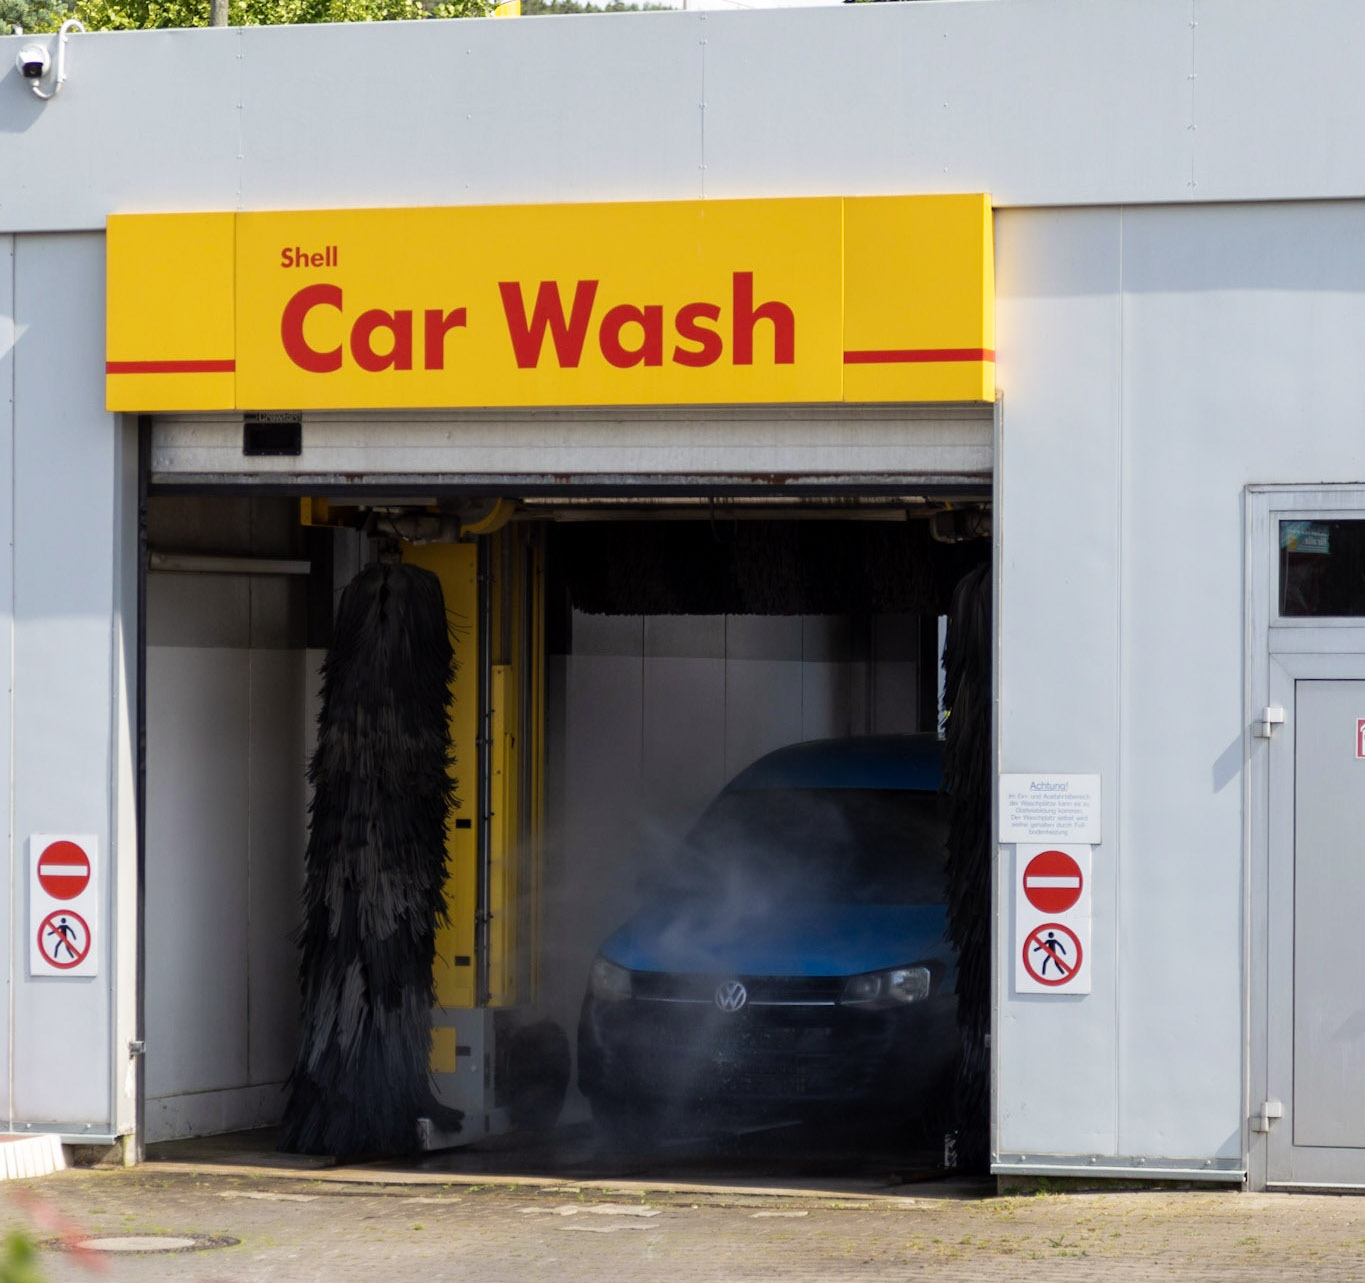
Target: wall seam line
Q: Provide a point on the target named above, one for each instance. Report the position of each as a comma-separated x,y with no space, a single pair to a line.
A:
16,883
701,114
1120,515
1192,128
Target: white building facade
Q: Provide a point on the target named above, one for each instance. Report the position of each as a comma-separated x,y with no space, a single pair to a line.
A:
1174,455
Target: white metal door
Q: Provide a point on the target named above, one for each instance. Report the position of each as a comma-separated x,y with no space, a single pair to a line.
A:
1305,793
1316,924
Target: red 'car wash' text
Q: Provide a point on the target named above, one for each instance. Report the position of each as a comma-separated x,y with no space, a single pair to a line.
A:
626,334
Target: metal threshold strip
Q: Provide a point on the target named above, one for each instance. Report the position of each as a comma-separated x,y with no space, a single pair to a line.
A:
1137,1167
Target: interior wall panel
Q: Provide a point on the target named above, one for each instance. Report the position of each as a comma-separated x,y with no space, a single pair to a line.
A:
650,718
229,734
277,835
197,883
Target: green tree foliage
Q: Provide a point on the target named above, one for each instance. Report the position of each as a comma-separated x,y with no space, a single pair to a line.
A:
534,8
33,15
18,1256
133,15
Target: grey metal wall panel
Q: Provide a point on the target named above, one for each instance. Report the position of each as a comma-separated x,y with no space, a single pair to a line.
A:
1304,129
1035,101
125,819
764,709
478,112
198,610
64,486
597,767
1241,328
1059,336
827,703
764,637
681,740
1041,102
114,142
12,873
1154,361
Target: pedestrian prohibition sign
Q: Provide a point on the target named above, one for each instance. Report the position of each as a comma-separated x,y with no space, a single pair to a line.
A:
63,870
64,939
64,915
1052,954
1052,881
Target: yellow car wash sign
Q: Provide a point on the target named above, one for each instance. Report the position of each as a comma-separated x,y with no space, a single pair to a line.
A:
699,302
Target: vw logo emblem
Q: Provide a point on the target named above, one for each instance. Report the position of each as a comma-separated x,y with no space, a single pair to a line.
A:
731,995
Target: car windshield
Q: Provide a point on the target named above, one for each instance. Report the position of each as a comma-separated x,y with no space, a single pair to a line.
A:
871,846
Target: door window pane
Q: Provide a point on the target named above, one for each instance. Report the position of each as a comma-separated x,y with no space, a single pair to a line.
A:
1322,568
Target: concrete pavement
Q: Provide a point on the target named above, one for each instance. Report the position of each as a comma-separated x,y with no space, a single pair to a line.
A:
354,1223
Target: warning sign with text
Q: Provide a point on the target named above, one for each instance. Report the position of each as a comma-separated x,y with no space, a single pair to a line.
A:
1050,808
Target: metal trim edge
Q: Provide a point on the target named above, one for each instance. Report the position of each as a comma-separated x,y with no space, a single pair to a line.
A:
1224,1170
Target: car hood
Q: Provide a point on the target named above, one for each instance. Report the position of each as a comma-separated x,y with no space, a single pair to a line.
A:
699,937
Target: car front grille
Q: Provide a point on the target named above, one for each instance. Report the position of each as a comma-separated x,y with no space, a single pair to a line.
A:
687,1048
657,986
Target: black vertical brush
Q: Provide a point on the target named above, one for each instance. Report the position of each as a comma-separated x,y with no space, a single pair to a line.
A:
967,777
375,870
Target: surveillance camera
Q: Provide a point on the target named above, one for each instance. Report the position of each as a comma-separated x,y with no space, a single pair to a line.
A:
33,62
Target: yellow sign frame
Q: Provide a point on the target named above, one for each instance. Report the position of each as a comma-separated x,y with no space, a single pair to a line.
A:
806,300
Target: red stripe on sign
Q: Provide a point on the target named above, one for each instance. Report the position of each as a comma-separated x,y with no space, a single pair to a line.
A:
170,367
917,355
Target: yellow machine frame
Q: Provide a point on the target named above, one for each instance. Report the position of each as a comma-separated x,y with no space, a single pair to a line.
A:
487,954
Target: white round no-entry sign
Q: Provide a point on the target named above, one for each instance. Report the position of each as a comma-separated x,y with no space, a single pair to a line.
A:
63,870
1053,881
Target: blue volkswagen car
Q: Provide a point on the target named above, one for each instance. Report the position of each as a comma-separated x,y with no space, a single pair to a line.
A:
792,961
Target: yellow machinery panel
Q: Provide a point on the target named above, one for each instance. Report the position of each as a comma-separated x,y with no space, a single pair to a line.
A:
513,564
504,841
516,694
456,566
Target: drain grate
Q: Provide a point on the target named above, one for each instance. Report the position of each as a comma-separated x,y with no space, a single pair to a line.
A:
144,1243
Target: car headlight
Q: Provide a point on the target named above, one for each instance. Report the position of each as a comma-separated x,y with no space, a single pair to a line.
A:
608,981
900,985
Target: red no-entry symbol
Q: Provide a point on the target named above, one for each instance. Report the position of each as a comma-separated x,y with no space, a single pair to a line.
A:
64,939
63,870
1052,954
1052,881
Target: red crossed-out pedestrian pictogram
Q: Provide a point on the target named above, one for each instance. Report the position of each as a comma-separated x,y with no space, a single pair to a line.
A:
1052,954
64,939
1052,881
63,870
